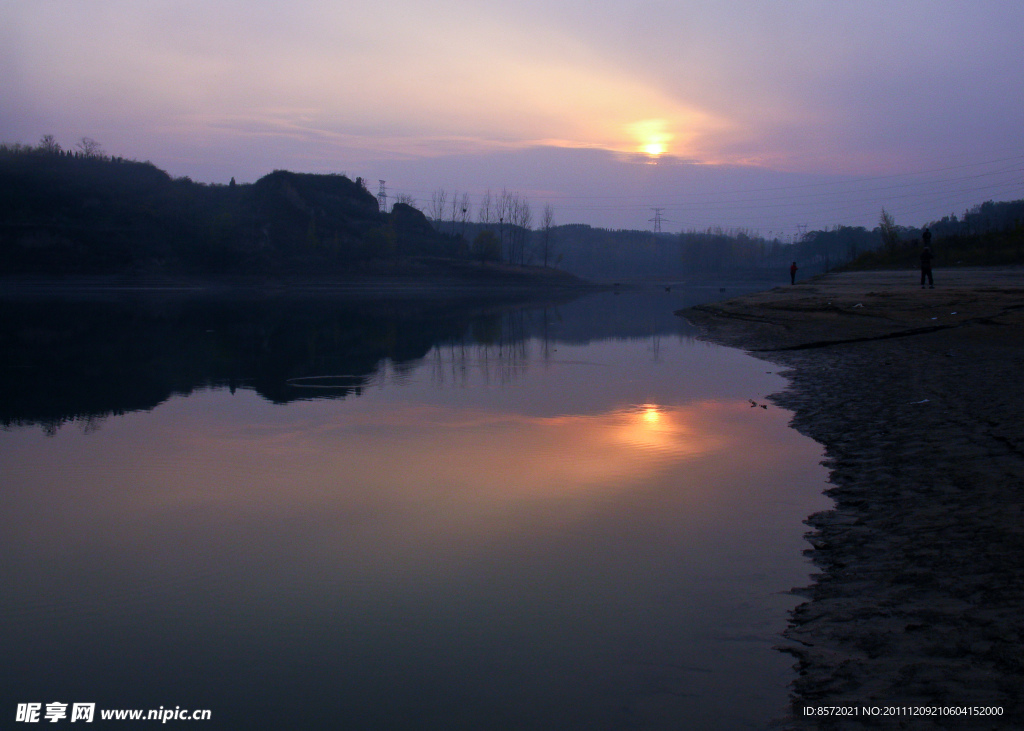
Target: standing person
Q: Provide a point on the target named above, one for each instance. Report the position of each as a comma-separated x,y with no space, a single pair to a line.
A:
926,266
792,273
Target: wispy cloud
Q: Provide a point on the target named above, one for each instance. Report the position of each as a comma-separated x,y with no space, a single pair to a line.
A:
210,89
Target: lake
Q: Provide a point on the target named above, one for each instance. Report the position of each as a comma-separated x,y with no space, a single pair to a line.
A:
335,512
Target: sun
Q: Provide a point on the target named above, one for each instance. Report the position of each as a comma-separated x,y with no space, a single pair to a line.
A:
654,149
652,136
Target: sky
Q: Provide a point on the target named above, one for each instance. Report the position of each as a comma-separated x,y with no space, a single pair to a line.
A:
762,115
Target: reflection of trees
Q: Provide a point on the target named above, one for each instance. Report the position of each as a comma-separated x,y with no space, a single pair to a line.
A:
496,349
82,361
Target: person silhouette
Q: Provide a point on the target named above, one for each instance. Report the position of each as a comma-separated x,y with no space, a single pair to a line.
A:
792,273
926,266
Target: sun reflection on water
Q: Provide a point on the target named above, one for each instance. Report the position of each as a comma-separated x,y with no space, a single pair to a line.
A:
653,428
651,413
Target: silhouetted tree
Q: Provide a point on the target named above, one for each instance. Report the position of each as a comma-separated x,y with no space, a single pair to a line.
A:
438,199
465,206
547,221
889,230
485,214
49,145
522,220
88,147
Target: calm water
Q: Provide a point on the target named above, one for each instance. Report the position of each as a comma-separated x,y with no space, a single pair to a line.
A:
337,514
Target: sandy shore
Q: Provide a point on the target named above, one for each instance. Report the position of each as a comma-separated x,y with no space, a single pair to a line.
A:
917,396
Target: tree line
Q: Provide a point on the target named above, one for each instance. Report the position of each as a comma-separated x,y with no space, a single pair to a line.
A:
503,229
988,234
82,211
85,212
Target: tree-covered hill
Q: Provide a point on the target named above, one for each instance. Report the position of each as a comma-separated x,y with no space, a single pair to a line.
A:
85,213
64,213
989,234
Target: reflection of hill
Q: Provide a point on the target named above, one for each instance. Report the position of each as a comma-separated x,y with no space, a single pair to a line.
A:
86,359
89,358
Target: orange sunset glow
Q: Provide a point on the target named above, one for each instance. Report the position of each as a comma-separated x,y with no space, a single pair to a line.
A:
424,95
472,463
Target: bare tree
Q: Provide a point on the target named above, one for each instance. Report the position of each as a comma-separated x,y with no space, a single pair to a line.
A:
521,218
454,209
511,211
547,222
485,214
503,205
526,222
406,199
515,218
890,231
523,214
48,144
88,147
503,210
437,204
465,206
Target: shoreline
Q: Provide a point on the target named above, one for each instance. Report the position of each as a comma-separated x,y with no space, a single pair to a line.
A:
916,397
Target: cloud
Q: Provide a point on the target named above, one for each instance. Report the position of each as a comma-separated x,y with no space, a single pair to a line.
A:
233,88
400,76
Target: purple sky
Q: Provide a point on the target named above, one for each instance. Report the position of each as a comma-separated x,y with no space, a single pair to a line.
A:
764,115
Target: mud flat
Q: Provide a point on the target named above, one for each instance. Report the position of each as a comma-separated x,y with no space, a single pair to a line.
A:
918,398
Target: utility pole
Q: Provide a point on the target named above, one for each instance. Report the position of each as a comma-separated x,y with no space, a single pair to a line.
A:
382,198
657,219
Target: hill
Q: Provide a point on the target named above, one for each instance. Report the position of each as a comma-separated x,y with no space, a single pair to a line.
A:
75,214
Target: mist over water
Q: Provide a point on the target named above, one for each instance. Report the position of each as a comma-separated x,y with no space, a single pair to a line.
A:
334,513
